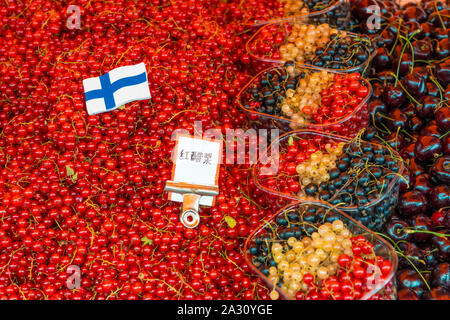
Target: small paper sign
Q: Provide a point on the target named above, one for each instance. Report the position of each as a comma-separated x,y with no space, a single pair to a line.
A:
196,161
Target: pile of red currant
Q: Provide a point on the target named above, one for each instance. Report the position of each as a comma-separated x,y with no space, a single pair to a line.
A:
86,193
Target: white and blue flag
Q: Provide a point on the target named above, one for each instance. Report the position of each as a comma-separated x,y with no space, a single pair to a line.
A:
116,88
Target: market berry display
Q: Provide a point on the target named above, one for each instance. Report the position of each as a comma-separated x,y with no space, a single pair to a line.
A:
312,252
297,97
362,178
88,190
320,45
257,13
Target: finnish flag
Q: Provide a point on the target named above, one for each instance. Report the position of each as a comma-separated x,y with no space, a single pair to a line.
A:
116,88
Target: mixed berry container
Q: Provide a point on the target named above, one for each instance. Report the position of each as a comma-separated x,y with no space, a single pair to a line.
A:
348,125
298,220
265,45
369,192
335,12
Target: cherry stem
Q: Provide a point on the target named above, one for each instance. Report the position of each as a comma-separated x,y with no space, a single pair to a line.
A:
403,51
413,230
404,89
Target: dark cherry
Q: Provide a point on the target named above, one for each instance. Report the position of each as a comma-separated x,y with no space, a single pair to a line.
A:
414,13
386,77
405,182
407,294
382,60
443,72
431,6
437,294
441,276
415,85
423,50
415,167
427,148
415,123
442,117
438,218
377,89
440,196
446,95
427,106
430,255
408,151
411,28
421,222
361,9
412,202
441,170
422,183
410,279
395,229
377,108
447,219
441,49
440,34
393,25
405,64
432,89
446,145
422,71
413,253
395,140
388,38
427,30
431,129
394,96
437,20
442,244
410,110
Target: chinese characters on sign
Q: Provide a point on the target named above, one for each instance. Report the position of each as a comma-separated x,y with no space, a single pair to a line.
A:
196,156
196,161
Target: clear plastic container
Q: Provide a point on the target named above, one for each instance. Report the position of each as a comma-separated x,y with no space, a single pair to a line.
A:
271,37
298,216
372,214
349,125
335,13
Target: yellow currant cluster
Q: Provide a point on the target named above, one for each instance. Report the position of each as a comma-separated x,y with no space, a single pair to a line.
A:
304,39
315,169
294,7
317,255
305,99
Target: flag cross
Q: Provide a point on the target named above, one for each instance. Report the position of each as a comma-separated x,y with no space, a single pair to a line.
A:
108,88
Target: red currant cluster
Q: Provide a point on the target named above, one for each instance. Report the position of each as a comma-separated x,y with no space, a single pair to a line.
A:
341,98
87,191
358,283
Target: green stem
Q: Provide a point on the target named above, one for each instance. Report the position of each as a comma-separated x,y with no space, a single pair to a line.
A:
404,89
412,230
408,41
